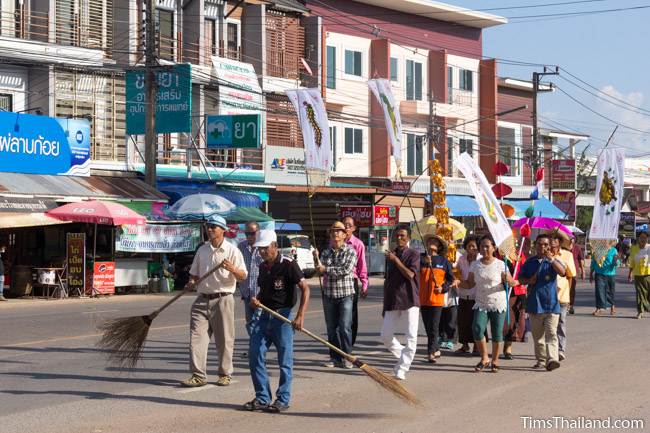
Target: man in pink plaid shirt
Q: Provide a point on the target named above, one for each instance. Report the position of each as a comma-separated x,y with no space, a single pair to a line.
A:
360,271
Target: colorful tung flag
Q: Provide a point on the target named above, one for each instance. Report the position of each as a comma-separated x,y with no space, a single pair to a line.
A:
380,87
539,184
312,115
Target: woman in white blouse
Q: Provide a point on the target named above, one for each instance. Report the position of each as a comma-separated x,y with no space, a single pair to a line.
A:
488,276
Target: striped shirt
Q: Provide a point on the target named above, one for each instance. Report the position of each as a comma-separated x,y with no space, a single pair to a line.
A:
338,281
252,259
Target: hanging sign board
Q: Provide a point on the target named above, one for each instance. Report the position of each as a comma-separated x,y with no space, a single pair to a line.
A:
239,131
239,88
173,100
158,238
566,202
563,174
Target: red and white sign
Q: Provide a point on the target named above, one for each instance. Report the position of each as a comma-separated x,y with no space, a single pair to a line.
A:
385,216
104,278
563,174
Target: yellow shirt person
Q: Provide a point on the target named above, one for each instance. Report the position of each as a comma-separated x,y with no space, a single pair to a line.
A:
563,283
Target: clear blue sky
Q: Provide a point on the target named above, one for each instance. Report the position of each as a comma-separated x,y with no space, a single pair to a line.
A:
609,51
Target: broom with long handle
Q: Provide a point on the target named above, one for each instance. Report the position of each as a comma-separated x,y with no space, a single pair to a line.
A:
124,337
385,381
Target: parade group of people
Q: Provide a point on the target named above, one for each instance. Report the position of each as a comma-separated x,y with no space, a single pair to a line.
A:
462,299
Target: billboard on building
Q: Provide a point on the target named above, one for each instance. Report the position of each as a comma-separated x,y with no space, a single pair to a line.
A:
44,145
237,131
284,165
563,174
566,202
239,88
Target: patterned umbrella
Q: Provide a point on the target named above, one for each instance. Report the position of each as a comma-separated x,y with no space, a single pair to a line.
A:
542,223
428,227
199,207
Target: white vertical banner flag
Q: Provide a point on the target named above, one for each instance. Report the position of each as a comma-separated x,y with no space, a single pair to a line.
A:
380,87
608,201
312,115
487,203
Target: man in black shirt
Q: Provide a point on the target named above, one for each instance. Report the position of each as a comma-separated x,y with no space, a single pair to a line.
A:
279,280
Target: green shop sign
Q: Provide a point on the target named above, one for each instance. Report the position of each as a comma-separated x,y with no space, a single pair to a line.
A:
173,100
240,131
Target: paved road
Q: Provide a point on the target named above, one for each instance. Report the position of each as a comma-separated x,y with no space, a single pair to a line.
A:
52,379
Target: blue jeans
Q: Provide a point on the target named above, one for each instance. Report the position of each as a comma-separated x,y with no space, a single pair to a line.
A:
605,289
2,284
251,315
264,332
338,318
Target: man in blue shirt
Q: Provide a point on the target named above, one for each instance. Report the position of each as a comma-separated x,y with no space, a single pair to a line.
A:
542,305
605,281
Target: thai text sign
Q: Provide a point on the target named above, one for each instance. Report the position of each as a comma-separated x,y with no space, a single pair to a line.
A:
236,131
284,165
401,187
362,215
385,216
173,100
566,202
563,174
76,258
44,145
627,224
104,278
239,89
158,238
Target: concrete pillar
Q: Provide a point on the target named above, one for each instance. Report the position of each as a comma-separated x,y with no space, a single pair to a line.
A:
193,25
314,51
254,36
488,148
380,147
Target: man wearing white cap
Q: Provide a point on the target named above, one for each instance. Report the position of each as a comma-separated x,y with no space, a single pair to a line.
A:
213,311
279,280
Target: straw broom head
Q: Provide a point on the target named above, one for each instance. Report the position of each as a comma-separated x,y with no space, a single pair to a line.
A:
389,383
124,339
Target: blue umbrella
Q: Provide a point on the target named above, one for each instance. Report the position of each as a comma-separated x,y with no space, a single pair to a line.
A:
199,207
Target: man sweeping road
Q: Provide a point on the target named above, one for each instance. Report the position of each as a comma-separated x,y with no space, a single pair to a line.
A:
279,278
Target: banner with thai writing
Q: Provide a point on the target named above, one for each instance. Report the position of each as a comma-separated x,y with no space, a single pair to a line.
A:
312,115
608,195
104,278
76,260
380,87
487,203
158,238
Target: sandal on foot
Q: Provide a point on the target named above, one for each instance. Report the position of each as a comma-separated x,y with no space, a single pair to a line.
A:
494,368
507,356
481,366
254,404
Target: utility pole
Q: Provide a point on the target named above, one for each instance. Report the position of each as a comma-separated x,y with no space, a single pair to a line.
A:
536,79
151,138
431,126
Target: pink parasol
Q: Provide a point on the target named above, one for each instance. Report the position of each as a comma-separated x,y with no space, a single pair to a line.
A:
97,212
542,223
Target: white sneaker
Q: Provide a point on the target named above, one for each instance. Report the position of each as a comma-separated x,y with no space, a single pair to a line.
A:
562,356
400,374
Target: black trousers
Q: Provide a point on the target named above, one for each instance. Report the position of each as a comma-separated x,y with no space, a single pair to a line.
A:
448,323
465,318
355,311
431,318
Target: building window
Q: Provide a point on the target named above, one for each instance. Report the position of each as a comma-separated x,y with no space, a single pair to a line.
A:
414,154
331,68
211,37
165,22
465,145
353,62
509,151
232,40
413,81
450,156
333,146
6,102
466,78
353,141
394,76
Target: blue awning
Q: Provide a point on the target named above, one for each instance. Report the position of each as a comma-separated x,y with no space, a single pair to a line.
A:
177,190
543,207
463,205
289,227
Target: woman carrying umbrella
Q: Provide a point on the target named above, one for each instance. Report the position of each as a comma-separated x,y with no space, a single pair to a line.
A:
466,296
436,279
488,275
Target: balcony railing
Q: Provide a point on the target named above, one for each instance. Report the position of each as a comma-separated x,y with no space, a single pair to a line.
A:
209,50
461,97
73,30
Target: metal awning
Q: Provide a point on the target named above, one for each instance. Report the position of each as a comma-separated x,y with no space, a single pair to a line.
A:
68,188
10,220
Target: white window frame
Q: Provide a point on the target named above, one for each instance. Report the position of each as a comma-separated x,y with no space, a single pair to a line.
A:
225,24
364,62
336,64
518,147
335,144
423,84
396,82
418,168
355,155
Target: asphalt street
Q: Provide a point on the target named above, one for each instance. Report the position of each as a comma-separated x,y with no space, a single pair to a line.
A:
53,379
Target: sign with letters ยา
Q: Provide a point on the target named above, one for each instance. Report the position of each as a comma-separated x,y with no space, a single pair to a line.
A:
173,100
104,278
76,259
241,131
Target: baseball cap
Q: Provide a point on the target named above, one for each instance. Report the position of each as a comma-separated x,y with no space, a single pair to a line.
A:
264,238
217,220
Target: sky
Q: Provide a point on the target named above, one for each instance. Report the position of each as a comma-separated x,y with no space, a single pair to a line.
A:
609,51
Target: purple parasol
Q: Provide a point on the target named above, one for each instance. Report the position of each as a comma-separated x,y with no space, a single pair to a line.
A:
542,223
